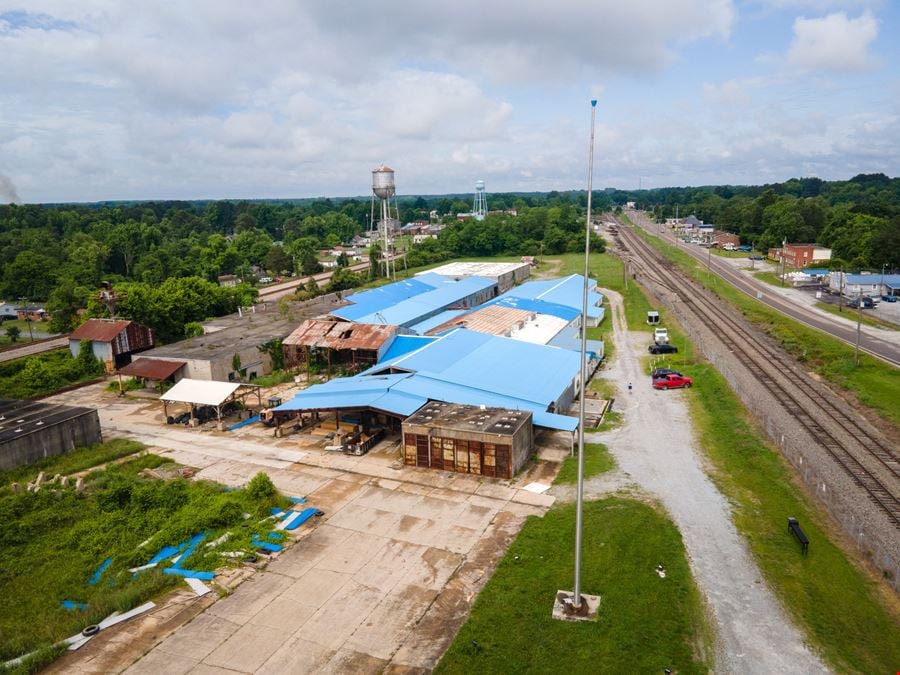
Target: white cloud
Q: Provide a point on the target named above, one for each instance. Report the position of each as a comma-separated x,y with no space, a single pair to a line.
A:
833,43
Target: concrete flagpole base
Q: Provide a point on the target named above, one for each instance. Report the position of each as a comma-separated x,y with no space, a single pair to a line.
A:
565,610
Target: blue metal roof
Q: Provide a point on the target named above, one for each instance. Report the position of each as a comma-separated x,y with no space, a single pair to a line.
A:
491,363
874,279
459,367
424,326
421,306
539,306
369,302
567,291
571,339
404,344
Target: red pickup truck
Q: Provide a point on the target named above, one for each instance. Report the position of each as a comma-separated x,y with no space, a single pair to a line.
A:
672,381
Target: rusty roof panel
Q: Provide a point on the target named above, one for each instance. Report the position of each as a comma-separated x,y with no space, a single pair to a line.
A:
340,335
99,330
493,320
152,369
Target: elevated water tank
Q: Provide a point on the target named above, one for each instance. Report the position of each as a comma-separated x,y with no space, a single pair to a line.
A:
383,182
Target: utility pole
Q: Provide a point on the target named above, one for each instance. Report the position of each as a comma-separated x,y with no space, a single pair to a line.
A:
858,323
881,287
24,302
783,247
841,292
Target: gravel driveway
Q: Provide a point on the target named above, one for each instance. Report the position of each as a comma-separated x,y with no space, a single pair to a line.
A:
657,451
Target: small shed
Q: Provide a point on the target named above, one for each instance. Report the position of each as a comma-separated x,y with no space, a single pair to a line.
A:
653,317
493,442
154,370
216,395
112,341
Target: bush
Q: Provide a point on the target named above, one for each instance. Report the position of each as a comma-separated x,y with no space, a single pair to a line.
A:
261,488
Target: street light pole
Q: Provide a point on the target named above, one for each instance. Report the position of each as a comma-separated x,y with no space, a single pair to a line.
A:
573,606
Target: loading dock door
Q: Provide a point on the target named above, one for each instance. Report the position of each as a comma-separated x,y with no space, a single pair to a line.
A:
422,458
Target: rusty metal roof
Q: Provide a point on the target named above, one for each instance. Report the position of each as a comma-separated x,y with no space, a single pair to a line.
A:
152,369
99,330
340,335
493,320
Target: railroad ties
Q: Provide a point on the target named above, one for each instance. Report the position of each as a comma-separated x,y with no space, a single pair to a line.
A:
787,387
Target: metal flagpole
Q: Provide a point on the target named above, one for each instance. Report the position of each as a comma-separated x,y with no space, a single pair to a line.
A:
579,499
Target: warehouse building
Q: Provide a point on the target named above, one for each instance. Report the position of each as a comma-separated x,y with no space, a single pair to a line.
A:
341,344
566,292
506,275
491,442
228,355
460,366
406,303
31,431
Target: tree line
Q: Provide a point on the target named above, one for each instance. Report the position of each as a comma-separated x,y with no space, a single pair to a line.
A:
859,219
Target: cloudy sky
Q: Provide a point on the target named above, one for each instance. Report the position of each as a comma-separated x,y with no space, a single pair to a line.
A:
105,99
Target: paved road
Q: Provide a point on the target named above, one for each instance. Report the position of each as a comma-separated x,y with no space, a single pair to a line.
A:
31,348
872,344
276,291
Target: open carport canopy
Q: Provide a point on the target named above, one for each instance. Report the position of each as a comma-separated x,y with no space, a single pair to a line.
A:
204,392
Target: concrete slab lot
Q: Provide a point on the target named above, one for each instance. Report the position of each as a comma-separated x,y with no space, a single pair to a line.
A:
380,583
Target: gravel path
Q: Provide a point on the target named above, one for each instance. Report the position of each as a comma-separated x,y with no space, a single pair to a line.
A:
656,449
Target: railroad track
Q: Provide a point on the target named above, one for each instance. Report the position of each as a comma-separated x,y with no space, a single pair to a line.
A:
863,455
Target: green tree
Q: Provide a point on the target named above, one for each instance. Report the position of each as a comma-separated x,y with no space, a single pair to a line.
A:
13,333
342,279
88,364
278,261
64,303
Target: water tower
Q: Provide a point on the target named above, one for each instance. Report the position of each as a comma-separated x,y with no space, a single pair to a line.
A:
384,190
479,209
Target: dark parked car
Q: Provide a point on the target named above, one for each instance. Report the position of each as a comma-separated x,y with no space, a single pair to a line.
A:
744,248
662,349
663,372
889,298
756,257
867,303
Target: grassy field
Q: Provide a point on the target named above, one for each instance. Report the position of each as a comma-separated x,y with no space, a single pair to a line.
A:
866,318
875,384
39,329
645,623
597,460
54,540
771,278
841,609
